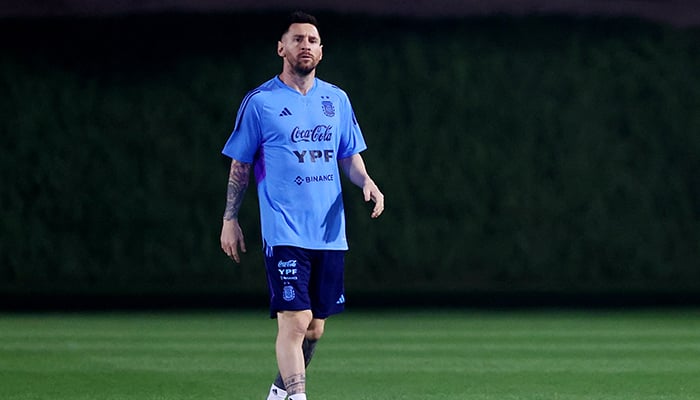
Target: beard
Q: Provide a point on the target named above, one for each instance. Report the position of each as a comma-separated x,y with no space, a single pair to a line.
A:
302,68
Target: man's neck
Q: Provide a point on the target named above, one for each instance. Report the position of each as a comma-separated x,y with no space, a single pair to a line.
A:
301,84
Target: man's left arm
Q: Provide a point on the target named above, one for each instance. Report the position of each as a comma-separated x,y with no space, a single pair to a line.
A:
354,168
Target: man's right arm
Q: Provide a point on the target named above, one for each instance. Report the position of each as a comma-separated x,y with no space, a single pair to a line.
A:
231,233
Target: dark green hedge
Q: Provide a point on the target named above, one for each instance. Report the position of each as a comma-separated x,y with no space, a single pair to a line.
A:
515,154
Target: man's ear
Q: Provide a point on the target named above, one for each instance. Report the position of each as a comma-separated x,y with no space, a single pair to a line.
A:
280,49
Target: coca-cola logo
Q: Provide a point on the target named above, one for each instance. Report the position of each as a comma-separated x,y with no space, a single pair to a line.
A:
320,133
287,264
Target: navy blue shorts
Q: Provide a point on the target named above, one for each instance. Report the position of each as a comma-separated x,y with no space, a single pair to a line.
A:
302,279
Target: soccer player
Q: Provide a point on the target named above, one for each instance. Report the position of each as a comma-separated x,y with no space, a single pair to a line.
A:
297,132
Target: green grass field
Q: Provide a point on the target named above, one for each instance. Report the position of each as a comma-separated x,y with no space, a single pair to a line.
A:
365,355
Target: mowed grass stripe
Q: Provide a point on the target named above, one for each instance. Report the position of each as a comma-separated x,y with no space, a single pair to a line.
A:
522,355
364,355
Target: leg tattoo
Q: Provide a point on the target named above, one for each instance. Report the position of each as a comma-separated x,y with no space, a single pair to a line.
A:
295,384
308,347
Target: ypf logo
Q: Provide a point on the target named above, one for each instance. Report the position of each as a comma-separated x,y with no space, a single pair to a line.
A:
288,270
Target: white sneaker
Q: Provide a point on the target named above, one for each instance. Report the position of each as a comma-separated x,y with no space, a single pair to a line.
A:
276,393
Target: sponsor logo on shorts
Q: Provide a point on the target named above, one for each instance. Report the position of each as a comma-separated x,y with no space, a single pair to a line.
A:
288,270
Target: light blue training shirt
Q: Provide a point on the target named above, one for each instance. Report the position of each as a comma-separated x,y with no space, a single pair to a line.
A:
294,142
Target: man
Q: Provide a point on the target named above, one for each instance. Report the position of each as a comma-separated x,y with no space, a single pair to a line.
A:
295,131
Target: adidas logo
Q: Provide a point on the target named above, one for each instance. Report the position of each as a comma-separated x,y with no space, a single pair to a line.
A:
341,300
285,112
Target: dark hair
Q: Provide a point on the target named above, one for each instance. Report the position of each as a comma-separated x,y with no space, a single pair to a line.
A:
299,17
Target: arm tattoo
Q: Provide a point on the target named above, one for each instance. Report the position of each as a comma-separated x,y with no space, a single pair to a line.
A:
295,384
237,185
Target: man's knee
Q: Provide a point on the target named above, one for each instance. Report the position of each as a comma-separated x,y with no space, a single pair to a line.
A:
294,322
315,330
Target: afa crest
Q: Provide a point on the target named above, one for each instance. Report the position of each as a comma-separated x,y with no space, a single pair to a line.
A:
288,293
328,108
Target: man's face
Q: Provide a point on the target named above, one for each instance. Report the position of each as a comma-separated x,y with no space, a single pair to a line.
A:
301,48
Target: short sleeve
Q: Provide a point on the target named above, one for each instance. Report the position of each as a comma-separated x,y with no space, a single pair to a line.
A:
246,136
351,139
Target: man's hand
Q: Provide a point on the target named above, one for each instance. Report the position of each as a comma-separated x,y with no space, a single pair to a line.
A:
232,239
354,168
372,192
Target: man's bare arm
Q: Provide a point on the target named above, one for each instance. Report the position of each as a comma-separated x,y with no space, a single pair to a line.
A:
231,233
237,184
